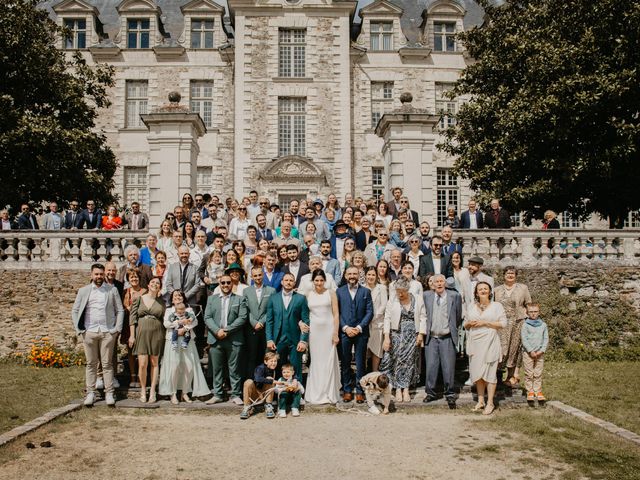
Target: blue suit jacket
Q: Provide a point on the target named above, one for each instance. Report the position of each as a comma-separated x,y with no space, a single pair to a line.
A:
269,236
357,312
275,282
76,224
466,223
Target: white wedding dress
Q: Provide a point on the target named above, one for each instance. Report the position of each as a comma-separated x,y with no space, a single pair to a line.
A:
323,382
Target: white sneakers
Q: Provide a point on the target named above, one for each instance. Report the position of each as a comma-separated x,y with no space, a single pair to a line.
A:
237,400
295,412
111,401
374,410
282,413
90,399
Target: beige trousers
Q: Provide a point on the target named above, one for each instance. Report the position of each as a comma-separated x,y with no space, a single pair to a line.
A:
98,348
532,372
250,392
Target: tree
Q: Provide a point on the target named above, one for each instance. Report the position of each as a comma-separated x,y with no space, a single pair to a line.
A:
553,117
49,149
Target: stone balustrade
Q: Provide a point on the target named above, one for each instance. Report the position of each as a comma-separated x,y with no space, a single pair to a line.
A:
64,249
70,249
526,247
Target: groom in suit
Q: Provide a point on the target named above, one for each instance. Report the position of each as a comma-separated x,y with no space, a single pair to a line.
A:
257,298
225,317
444,316
356,311
285,314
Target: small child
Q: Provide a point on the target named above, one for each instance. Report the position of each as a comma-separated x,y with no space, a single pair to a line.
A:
263,381
183,319
290,392
376,384
535,338
215,269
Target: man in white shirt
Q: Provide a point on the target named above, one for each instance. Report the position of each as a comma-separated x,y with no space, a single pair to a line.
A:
97,316
253,208
5,221
285,237
476,274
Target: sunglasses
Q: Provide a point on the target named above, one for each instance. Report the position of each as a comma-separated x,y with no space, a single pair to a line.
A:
242,209
436,245
225,283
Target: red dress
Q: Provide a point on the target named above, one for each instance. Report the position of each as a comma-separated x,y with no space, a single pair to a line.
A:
111,223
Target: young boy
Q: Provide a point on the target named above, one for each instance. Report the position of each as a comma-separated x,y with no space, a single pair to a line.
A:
183,318
376,384
263,380
535,339
290,392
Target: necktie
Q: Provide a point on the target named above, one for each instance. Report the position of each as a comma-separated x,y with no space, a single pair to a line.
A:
439,300
264,234
73,219
184,276
224,312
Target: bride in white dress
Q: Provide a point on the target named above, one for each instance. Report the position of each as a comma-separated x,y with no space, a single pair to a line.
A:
323,382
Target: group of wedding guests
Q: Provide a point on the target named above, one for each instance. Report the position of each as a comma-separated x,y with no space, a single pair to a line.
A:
269,300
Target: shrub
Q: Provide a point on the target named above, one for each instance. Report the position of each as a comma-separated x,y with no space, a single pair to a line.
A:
44,354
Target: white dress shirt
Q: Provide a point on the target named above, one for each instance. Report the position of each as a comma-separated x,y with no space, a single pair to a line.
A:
436,265
224,300
473,221
286,298
95,315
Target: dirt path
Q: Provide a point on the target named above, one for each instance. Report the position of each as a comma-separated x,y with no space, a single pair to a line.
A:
185,445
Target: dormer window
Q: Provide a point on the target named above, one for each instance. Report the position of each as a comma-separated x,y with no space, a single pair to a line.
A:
77,35
138,31
201,33
381,35
444,39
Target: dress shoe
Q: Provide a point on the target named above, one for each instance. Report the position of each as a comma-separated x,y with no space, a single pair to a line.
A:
90,399
429,399
214,400
347,397
110,400
359,398
236,400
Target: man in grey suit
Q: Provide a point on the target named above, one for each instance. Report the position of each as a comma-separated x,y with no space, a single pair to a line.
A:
136,220
97,316
444,316
257,298
183,275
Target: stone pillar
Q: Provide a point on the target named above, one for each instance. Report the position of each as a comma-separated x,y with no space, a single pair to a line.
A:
173,144
409,139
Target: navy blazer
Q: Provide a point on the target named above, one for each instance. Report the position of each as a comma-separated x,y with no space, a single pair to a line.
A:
269,235
77,223
357,312
96,222
275,282
465,222
426,265
24,222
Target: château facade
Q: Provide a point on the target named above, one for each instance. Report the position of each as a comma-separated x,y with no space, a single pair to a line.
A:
290,91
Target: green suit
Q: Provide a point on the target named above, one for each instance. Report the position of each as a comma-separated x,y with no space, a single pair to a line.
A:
283,329
226,351
255,341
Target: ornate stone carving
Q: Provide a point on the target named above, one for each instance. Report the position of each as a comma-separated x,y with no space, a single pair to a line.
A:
293,168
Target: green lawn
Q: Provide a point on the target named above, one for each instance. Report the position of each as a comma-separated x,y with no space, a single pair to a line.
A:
589,451
604,389
28,392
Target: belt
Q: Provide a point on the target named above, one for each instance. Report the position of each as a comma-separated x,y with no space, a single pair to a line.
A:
440,336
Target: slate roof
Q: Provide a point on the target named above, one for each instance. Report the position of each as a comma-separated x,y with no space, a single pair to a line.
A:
173,20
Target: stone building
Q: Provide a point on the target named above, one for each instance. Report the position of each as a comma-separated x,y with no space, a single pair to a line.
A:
290,91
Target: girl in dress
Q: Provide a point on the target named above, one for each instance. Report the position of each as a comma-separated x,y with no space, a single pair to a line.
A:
323,382
484,319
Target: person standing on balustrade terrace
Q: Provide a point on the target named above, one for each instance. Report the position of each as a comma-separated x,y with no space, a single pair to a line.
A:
97,316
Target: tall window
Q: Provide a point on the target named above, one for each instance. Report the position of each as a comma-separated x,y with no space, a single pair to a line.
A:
381,100
136,102
444,37
292,48
77,33
135,186
569,222
516,219
138,33
633,220
202,100
377,181
447,193
291,126
381,35
203,179
201,33
445,107
284,200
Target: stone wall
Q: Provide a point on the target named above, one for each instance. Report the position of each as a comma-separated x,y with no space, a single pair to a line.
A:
596,306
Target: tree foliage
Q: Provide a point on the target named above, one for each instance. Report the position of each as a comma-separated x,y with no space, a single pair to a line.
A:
553,117
49,149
